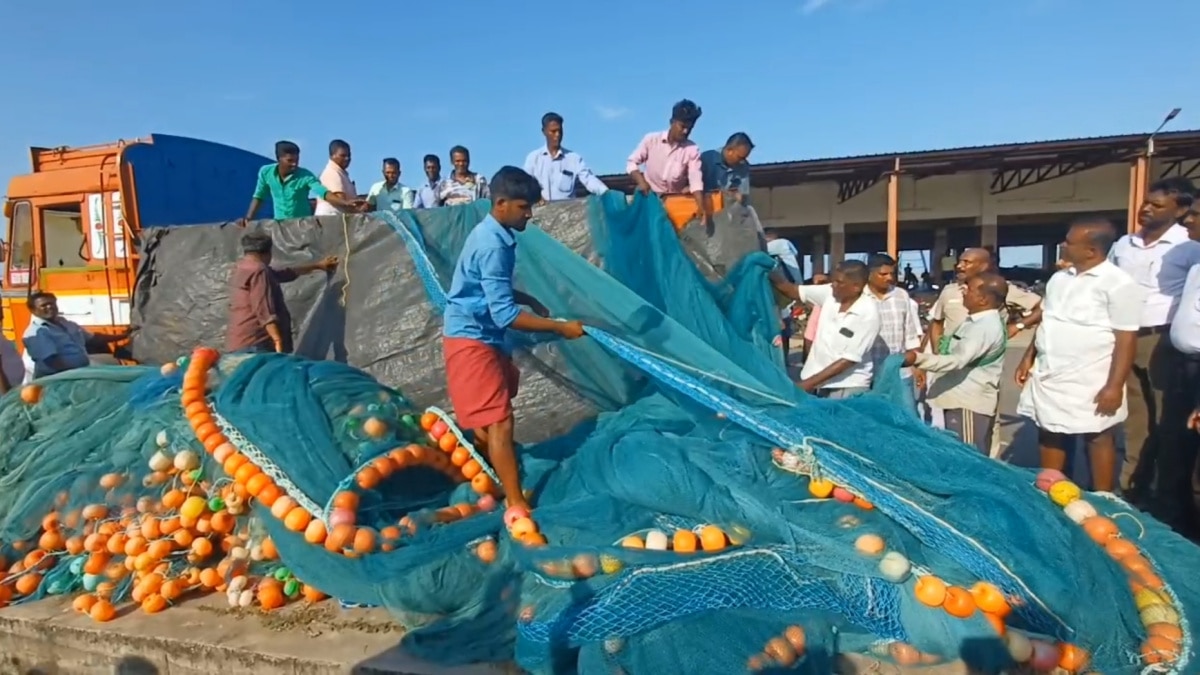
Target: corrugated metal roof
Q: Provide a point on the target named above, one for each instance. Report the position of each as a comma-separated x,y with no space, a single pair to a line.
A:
1164,138
1091,149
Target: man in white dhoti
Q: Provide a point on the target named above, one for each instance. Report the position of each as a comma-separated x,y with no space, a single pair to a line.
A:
1074,372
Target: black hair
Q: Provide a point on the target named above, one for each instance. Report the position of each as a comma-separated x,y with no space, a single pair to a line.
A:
877,260
685,111
34,297
771,232
460,149
740,138
1101,232
432,158
392,161
1179,188
994,286
285,148
513,183
257,242
338,144
551,117
853,270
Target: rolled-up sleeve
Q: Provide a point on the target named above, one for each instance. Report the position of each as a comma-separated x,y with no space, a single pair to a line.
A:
40,346
856,347
261,189
496,279
695,170
970,346
640,154
262,301
817,294
589,179
912,331
314,185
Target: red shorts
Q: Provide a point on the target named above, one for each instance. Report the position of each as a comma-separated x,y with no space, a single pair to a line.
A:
481,381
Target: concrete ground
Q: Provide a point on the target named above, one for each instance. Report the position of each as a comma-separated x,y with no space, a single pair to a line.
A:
204,635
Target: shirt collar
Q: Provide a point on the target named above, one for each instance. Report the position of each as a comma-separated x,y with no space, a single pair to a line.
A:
562,152
506,235
980,316
1093,272
857,306
334,166
1175,234
664,137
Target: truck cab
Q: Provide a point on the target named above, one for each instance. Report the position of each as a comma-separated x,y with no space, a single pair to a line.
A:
75,220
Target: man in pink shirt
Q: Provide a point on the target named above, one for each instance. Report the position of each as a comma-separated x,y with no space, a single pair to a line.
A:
671,162
336,179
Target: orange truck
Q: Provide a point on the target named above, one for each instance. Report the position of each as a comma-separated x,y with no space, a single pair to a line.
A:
75,219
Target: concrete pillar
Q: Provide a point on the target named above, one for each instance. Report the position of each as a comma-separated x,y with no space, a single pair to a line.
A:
837,242
1049,256
818,254
989,234
941,240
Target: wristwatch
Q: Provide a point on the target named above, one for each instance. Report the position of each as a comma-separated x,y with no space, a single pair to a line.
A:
1020,325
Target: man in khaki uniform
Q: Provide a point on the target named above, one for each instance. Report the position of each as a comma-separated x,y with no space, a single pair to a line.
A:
948,312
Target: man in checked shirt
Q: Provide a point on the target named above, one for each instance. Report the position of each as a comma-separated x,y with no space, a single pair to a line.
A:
899,325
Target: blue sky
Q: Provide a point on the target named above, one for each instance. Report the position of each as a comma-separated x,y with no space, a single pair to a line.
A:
805,78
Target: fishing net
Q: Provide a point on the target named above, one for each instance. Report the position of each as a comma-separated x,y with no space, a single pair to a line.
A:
711,518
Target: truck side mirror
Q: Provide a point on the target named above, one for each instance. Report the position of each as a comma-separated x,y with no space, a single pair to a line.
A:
8,209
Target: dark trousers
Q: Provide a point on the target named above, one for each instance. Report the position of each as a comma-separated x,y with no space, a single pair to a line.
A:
1173,499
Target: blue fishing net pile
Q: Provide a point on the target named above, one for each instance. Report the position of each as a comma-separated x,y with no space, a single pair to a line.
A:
696,399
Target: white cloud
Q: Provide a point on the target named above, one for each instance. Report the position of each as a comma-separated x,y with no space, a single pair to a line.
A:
610,112
811,6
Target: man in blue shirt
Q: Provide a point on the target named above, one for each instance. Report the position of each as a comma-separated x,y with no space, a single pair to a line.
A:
558,169
481,378
727,169
427,193
54,343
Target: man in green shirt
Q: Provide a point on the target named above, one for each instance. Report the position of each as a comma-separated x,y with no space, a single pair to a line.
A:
288,185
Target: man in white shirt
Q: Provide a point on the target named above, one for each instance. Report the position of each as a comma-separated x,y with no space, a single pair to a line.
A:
1172,500
390,194
557,169
970,364
336,179
1158,257
840,363
1074,372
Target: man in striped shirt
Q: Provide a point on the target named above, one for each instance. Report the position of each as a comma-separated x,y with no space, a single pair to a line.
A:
899,325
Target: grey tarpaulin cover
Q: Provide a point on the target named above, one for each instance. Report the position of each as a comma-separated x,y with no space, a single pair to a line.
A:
373,312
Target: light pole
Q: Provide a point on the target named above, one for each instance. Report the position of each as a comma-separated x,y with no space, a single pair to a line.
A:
1139,172
1166,120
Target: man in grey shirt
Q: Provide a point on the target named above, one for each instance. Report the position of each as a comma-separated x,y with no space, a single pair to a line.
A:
970,363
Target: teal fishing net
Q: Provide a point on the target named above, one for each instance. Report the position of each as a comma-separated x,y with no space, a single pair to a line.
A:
700,427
